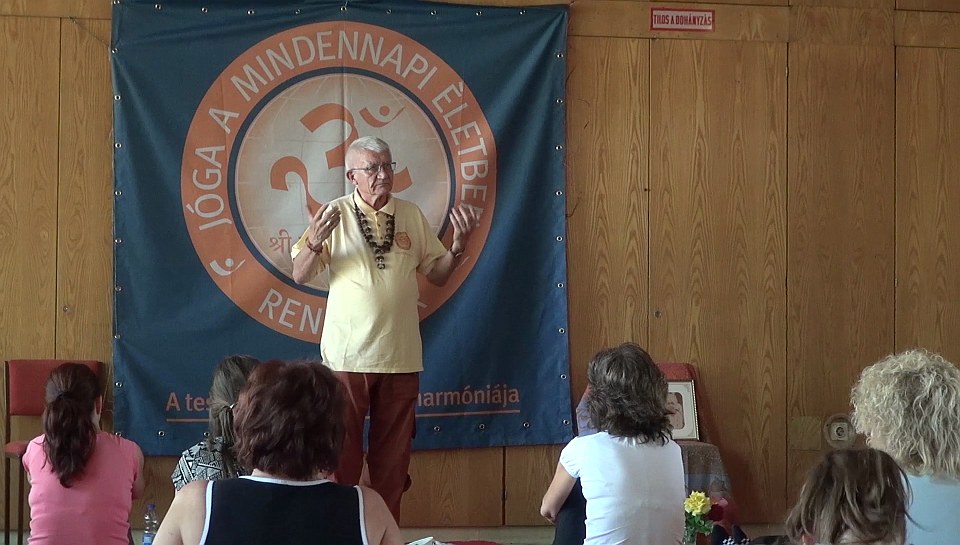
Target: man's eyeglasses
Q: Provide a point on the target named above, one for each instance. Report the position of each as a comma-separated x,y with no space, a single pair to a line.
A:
373,170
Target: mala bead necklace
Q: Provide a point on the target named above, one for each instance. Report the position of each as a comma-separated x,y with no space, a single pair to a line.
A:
378,249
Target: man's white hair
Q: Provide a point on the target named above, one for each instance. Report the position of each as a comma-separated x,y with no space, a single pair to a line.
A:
369,143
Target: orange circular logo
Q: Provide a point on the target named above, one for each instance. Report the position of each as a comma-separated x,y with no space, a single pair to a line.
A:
403,241
266,148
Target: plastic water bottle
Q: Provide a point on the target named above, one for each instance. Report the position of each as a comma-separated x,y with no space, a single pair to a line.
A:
151,523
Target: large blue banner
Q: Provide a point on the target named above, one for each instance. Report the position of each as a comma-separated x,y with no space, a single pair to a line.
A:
231,125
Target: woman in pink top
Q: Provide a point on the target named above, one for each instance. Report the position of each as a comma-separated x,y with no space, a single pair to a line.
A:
83,481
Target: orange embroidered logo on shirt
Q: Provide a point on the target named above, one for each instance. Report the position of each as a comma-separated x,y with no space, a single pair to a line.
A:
403,241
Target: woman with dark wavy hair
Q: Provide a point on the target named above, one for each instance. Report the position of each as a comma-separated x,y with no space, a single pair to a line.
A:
83,480
631,472
289,428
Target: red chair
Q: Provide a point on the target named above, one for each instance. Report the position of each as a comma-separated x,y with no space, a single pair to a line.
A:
26,382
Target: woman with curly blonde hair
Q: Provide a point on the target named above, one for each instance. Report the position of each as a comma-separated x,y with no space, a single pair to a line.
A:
908,405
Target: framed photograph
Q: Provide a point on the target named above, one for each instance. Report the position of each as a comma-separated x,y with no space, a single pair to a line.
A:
682,404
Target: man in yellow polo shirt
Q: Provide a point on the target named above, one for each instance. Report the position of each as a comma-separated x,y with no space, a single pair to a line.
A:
374,244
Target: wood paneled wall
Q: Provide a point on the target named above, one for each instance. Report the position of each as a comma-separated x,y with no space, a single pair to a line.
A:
841,220
928,227
770,201
607,195
28,189
718,244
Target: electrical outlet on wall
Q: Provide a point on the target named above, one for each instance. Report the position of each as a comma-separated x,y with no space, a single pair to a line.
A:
838,431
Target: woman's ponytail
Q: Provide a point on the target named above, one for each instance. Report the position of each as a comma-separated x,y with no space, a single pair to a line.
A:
69,431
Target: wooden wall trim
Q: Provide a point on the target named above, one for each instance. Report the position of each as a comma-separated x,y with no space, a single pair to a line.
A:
929,5
743,2
877,4
455,488
841,26
916,23
619,19
81,9
798,24
927,29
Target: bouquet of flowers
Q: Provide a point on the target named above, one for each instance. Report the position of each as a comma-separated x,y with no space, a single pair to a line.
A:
700,514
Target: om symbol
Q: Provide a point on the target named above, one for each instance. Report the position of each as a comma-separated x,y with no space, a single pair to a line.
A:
312,121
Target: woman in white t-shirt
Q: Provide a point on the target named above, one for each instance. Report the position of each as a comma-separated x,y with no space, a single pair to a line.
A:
631,471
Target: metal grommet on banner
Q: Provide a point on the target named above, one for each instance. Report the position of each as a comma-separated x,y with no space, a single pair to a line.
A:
560,285
566,422
560,55
206,434
560,239
161,433
204,10
116,2
116,97
117,193
563,376
118,241
118,384
559,101
297,12
559,147
526,425
343,8
561,331
118,289
389,11
559,193
117,336
118,145
113,49
433,12
157,7
436,429
118,433
523,12
251,12
482,427
479,13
